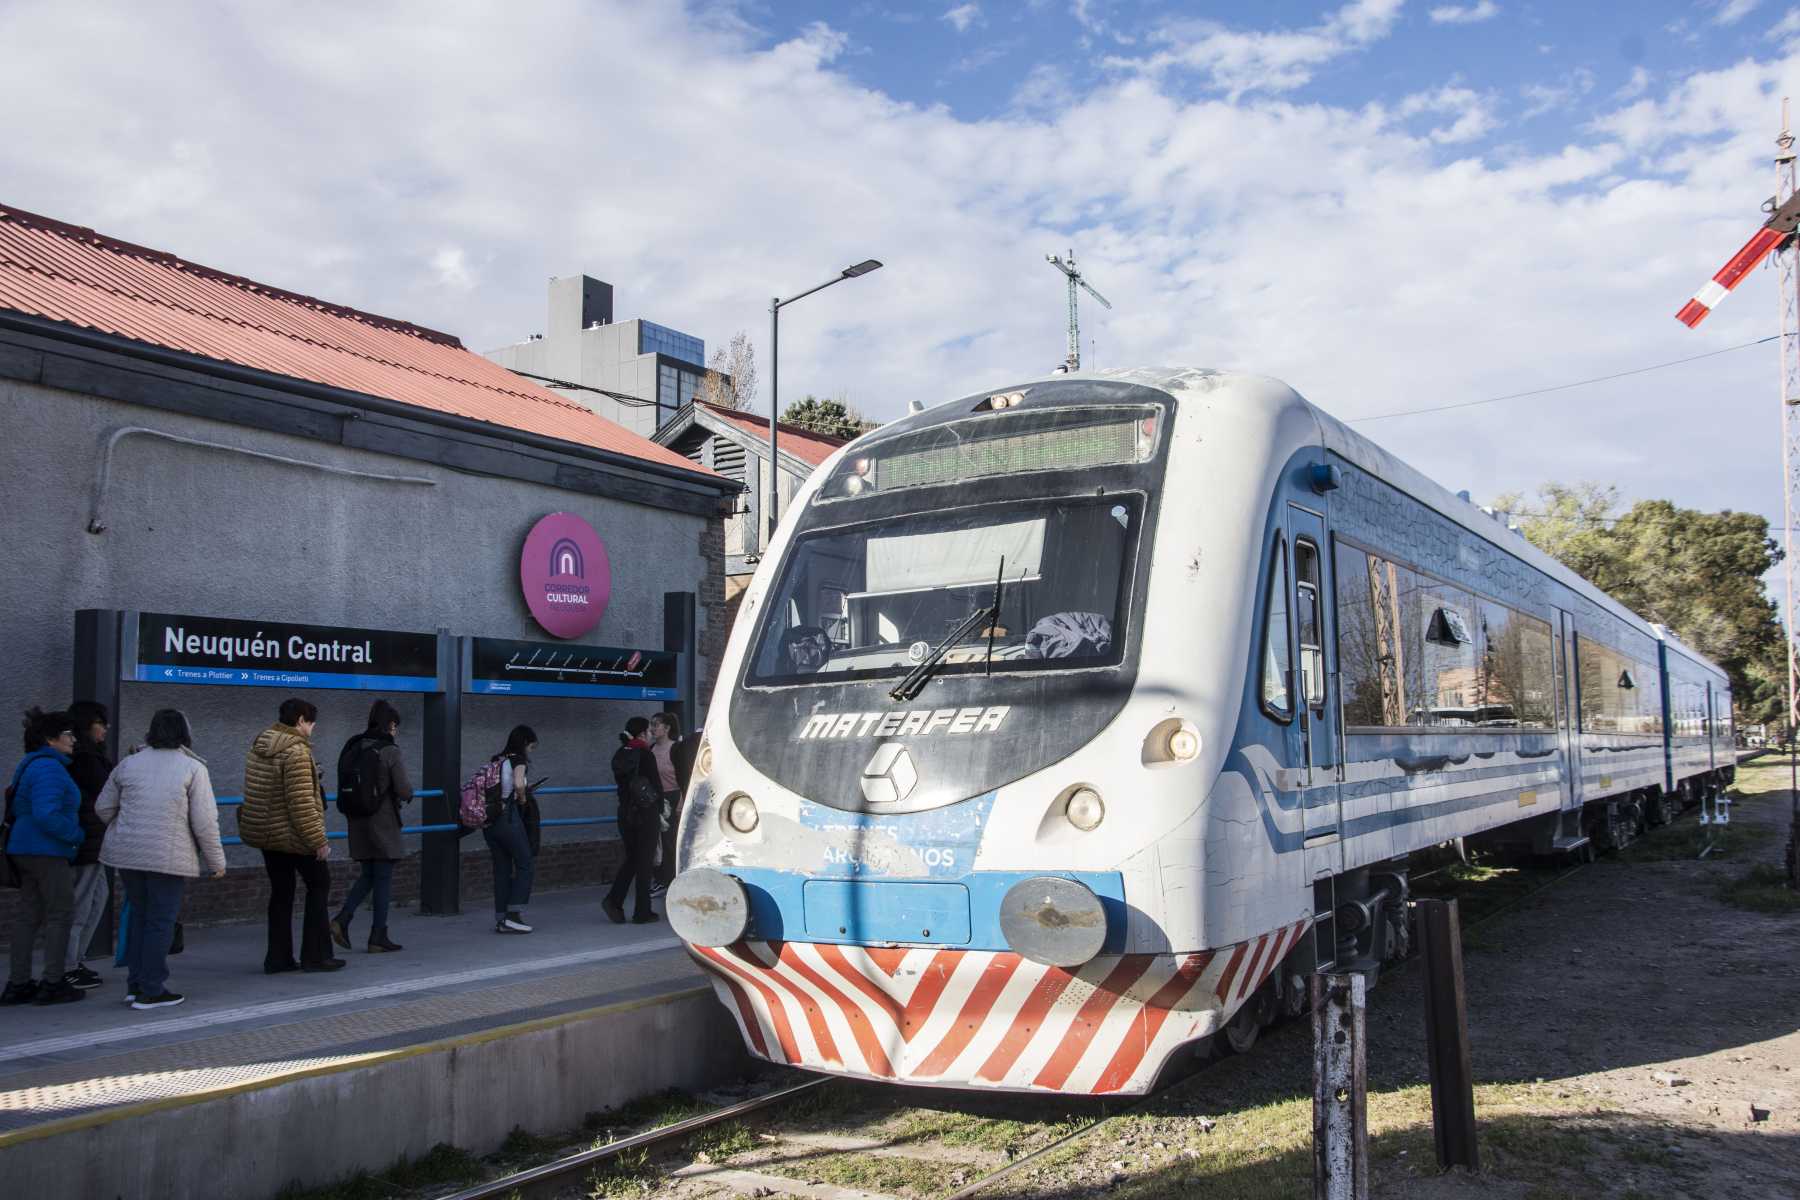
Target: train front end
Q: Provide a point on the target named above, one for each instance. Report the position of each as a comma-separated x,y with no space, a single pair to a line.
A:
925,841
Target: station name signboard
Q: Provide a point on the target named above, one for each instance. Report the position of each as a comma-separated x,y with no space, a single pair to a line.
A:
497,667
224,650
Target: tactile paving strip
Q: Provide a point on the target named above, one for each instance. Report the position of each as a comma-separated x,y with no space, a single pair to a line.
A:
248,1055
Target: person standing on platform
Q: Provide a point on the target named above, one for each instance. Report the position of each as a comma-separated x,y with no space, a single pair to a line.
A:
161,821
46,834
371,765
665,745
283,815
508,843
89,766
640,823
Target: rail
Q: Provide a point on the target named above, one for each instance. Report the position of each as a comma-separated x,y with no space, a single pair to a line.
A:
434,793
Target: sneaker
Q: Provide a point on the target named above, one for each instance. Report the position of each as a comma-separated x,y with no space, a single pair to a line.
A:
58,991
508,925
517,920
658,888
131,996
20,993
614,910
166,1000
330,964
83,978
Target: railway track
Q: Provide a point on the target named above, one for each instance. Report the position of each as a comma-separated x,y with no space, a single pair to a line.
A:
750,1163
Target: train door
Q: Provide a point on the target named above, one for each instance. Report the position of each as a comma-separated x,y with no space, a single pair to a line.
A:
1315,699
1567,699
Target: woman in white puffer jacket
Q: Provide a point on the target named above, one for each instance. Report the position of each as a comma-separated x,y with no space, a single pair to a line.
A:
162,821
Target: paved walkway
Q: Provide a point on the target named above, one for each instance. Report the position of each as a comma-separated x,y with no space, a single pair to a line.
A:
456,977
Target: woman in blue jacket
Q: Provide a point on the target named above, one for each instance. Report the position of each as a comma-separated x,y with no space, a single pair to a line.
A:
46,834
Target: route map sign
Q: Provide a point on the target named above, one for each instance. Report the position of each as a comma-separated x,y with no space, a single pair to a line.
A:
173,648
498,667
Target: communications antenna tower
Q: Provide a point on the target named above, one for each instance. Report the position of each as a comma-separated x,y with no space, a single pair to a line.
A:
1068,268
1777,236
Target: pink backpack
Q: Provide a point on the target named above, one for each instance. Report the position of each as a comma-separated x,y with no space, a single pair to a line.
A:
479,791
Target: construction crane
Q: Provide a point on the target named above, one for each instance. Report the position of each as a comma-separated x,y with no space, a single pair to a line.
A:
1777,236
1073,363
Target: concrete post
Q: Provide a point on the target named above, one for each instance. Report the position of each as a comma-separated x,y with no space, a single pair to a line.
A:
440,854
97,672
679,635
1447,1036
1340,1088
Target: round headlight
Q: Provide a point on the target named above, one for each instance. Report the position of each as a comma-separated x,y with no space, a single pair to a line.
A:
1086,810
740,813
1184,744
703,761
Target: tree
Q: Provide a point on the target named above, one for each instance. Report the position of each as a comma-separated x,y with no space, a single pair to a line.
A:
1698,573
730,380
833,418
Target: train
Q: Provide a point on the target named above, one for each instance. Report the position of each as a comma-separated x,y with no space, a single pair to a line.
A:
1070,726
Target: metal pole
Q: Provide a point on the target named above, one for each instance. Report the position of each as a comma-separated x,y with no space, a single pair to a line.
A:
1790,463
774,414
1447,1036
440,854
1340,1088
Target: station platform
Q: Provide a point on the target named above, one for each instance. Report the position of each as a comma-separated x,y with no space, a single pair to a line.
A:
259,1082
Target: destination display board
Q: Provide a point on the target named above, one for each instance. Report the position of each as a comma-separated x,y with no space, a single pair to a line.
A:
498,667
175,648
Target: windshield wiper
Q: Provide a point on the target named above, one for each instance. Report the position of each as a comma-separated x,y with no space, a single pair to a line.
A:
994,625
915,679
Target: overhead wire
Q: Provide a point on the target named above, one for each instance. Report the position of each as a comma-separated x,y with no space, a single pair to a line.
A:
1563,387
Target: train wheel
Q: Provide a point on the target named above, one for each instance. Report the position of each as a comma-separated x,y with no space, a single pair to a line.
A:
1247,1022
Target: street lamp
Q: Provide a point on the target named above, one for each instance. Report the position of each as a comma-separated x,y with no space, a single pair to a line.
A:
775,306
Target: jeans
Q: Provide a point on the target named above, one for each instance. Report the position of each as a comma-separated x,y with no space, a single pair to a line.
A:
512,861
46,899
155,901
315,924
377,877
640,837
665,870
91,895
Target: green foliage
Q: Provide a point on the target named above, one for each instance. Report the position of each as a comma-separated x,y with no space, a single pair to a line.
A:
1763,888
833,418
1698,573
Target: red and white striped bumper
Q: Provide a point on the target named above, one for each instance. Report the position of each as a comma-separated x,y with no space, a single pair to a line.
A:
982,1018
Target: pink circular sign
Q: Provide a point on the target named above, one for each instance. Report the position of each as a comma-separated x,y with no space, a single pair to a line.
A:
565,575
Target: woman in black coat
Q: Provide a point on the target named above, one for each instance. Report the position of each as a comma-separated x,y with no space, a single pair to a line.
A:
375,840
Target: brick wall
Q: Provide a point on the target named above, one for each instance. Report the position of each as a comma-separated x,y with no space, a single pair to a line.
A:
243,895
714,617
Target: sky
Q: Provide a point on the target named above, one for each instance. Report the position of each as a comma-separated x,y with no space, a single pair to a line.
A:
1389,204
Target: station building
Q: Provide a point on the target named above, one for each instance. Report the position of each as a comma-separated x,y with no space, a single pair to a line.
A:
195,460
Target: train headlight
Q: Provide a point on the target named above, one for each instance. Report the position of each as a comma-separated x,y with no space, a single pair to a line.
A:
1054,921
741,814
1085,809
703,761
1171,742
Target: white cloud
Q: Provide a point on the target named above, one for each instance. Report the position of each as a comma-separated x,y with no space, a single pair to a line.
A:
1637,85
1541,98
1730,12
1788,26
1465,14
1241,61
1335,245
963,16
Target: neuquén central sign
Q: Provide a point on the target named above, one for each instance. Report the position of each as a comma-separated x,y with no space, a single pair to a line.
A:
224,650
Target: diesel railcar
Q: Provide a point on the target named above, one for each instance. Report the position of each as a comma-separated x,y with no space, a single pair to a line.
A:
1068,724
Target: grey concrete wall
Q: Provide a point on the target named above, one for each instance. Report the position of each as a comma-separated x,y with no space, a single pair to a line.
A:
313,1130
216,533
606,357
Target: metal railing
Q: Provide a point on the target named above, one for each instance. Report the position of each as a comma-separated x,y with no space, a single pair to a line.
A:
433,793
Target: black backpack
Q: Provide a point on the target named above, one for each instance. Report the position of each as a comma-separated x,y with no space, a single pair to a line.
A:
636,793
359,773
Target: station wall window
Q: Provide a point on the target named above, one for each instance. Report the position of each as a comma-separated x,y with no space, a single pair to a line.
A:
1618,694
1278,653
1415,651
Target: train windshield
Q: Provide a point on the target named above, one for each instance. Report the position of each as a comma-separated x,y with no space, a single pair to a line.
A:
878,599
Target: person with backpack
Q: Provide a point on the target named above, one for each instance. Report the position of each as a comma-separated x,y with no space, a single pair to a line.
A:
43,813
283,815
372,785
641,818
162,821
508,842
89,766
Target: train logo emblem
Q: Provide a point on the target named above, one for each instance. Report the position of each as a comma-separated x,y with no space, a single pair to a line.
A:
890,775
565,575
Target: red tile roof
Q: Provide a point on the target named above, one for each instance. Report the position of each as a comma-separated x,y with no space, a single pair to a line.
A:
796,440
66,273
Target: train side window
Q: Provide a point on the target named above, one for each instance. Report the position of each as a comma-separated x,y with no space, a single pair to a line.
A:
1306,612
1278,654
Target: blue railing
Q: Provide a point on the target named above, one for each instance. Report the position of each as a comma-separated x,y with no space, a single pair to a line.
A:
432,793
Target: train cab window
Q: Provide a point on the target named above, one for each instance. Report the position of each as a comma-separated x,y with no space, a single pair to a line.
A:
1306,614
1278,654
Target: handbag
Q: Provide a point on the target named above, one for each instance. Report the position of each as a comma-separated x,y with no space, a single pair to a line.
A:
176,943
9,873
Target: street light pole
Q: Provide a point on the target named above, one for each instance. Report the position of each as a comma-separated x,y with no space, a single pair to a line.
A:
775,306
